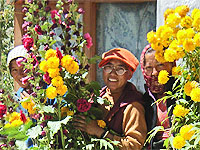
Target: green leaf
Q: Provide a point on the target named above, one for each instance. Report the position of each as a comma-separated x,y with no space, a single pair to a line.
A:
42,53
94,59
48,109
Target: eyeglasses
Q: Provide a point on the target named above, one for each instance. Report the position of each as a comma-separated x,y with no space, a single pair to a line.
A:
118,69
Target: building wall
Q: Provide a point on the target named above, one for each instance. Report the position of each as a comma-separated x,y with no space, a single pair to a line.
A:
124,25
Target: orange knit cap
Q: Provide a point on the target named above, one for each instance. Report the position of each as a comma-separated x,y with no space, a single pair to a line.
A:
121,54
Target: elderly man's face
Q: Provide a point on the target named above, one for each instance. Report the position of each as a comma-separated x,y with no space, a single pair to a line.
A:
114,80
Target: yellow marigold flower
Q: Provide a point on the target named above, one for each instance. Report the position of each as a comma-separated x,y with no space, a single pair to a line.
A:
181,36
101,123
173,20
30,108
24,105
190,33
157,46
159,55
186,132
73,68
70,113
14,116
151,37
196,20
182,10
50,53
43,66
166,33
51,92
163,77
178,142
167,12
159,31
16,123
180,111
53,62
176,71
170,55
66,61
194,11
186,22
189,86
53,72
57,81
189,45
195,94
62,90
197,39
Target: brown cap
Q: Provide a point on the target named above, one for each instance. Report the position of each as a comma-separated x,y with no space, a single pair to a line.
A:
121,54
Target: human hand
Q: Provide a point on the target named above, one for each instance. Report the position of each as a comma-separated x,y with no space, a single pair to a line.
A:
24,94
90,127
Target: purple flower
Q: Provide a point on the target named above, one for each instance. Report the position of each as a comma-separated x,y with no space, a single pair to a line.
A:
25,25
81,11
47,9
88,39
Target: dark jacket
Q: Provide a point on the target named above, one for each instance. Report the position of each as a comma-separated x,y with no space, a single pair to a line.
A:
151,113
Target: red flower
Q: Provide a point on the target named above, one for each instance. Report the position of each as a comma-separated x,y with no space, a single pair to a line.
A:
46,78
88,39
3,110
58,53
83,105
55,13
28,43
22,116
38,30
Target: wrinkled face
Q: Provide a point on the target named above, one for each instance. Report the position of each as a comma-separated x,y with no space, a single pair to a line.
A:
113,80
152,68
18,73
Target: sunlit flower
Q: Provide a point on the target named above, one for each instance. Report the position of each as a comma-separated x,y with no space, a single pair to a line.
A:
186,22
189,86
53,72
51,92
43,66
197,39
53,62
163,77
182,10
178,142
180,111
159,55
186,132
189,45
173,20
50,53
176,71
167,12
101,123
151,37
195,94
62,89
57,81
170,55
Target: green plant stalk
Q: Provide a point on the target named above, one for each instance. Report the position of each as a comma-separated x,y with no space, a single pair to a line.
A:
59,116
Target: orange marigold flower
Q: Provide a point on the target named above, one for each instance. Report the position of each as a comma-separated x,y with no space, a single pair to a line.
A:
101,123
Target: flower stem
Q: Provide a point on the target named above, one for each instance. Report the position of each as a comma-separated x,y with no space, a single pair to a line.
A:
59,116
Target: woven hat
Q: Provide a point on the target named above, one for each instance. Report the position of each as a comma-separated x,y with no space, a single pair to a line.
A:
121,54
18,51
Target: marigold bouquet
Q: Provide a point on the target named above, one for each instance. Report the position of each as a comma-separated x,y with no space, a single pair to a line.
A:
179,39
56,69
